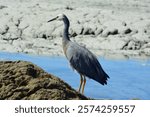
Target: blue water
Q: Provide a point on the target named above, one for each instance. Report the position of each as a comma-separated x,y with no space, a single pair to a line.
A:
128,78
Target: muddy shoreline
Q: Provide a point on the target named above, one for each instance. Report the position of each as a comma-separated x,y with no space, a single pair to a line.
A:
120,28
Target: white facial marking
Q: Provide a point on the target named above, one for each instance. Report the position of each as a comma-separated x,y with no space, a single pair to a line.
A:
60,16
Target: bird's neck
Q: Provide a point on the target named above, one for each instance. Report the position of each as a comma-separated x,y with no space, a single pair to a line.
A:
66,28
65,39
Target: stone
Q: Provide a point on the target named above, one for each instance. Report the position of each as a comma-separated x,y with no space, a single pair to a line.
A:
22,80
113,43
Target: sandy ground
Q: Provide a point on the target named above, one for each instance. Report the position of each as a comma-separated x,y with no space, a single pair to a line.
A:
109,28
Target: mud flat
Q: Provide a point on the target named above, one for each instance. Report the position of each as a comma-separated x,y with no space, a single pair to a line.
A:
108,28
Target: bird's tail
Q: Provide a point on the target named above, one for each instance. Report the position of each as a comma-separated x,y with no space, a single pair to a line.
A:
102,77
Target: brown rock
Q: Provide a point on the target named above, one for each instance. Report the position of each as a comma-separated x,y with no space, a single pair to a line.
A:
24,80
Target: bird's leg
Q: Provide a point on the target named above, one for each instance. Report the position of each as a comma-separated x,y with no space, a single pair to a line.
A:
84,81
81,80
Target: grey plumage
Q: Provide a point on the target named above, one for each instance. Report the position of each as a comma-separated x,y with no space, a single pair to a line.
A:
86,63
80,58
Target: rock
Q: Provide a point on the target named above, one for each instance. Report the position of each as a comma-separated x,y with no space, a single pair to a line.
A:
87,31
133,45
45,31
127,31
146,51
111,31
57,32
24,80
3,29
76,29
28,32
114,31
23,24
30,51
28,21
7,47
105,33
98,31
2,6
1,37
147,45
113,43
141,37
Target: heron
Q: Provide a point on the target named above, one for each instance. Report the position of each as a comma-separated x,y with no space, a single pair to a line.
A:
80,58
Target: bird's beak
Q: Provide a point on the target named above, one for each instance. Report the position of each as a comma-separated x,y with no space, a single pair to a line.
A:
53,19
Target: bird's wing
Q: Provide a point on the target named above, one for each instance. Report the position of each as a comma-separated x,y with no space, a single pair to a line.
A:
86,63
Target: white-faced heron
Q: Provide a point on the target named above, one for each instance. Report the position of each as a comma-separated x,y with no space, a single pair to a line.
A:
80,58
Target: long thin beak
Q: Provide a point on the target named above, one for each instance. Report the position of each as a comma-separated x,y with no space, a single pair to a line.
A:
53,19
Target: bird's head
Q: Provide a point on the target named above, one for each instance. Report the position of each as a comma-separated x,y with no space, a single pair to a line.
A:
59,17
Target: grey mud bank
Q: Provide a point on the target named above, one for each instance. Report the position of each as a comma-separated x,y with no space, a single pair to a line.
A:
107,28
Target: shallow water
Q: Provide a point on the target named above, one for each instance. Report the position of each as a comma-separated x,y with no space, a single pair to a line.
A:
129,79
